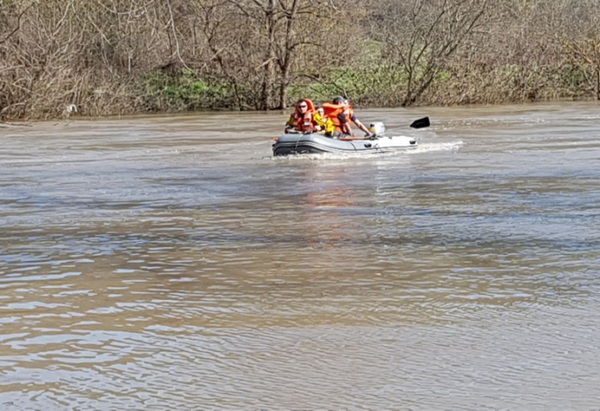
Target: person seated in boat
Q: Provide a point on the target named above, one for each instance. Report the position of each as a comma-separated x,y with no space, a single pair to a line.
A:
323,124
301,119
352,117
342,114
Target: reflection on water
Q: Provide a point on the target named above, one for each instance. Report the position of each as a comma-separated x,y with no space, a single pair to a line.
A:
172,263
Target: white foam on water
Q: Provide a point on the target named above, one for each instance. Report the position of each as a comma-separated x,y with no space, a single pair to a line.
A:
434,147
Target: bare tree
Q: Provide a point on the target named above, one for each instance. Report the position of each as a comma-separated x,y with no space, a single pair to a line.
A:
582,43
284,31
421,35
118,56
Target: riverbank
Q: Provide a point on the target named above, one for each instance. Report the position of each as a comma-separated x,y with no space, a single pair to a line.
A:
131,57
186,91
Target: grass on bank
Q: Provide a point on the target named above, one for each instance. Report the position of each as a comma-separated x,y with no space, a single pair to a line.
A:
371,86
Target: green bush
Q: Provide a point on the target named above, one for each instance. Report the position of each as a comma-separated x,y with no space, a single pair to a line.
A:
365,86
184,90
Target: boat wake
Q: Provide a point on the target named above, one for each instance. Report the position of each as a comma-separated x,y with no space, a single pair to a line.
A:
433,147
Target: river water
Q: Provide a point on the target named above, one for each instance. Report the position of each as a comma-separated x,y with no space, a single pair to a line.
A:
170,263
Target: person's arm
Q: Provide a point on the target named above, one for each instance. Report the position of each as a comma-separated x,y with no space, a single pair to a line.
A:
289,125
362,127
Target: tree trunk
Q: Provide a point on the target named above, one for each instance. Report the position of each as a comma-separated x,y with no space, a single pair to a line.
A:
269,71
286,63
283,94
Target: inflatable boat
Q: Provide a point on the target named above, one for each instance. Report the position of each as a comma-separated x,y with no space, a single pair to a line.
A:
318,144
290,144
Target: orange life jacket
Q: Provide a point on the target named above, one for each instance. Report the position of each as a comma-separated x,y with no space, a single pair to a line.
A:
333,111
304,122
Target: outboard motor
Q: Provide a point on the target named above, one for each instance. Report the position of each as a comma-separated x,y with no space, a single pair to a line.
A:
377,128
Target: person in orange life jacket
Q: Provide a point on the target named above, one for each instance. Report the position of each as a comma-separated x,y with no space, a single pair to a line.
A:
351,116
341,113
302,118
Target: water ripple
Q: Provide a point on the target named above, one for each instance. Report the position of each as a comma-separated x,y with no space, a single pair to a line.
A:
145,266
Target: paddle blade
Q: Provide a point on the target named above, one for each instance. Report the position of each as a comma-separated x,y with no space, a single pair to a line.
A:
421,123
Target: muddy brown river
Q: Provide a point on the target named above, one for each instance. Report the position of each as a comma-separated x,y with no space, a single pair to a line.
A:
171,263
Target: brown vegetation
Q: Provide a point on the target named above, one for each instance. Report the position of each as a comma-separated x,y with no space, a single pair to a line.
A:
123,56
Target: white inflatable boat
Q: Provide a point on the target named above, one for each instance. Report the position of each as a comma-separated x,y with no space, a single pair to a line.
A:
290,144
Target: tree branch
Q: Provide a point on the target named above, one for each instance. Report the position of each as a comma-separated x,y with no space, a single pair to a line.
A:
12,33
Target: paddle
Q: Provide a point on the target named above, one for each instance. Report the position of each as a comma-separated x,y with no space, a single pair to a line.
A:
421,123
